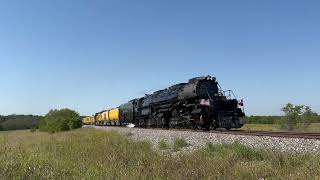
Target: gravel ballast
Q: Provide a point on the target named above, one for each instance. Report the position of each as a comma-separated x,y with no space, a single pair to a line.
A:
200,139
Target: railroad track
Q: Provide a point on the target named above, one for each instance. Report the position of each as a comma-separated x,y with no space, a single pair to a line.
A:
282,134
276,134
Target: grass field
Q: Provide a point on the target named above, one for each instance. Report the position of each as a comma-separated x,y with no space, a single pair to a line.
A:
314,127
93,154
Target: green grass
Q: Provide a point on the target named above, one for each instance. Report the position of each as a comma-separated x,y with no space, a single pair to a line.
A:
93,154
314,127
179,143
261,127
164,145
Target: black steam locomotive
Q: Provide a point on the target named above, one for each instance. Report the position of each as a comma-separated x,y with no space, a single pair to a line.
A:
200,103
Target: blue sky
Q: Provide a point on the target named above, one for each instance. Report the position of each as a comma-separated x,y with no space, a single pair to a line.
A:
92,55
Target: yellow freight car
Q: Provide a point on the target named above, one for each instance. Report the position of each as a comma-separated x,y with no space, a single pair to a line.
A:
99,118
105,116
91,120
84,120
108,117
88,120
114,114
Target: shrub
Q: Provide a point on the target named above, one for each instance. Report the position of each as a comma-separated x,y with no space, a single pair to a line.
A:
60,120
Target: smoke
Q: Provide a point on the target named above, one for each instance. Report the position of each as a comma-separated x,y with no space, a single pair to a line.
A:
130,125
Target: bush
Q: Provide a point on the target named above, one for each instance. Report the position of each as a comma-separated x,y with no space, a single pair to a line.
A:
60,120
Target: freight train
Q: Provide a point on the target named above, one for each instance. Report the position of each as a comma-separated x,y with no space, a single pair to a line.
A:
198,104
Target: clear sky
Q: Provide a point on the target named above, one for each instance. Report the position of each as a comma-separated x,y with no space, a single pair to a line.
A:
91,55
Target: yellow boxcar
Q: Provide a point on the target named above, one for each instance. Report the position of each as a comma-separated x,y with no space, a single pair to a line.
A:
114,114
88,120
105,116
99,117
84,120
91,120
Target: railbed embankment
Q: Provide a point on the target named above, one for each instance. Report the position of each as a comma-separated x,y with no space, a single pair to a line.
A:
198,139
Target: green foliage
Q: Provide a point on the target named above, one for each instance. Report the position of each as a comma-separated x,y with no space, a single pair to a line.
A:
248,163
163,145
297,117
293,116
60,120
179,143
262,119
306,116
176,145
16,122
247,154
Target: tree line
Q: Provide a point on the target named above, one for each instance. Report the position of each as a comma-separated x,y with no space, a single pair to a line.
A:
272,119
15,122
296,117
55,120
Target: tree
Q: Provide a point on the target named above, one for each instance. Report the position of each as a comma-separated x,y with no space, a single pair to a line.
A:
60,120
297,117
292,116
309,116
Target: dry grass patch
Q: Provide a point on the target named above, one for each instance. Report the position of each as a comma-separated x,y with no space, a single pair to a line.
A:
314,127
94,154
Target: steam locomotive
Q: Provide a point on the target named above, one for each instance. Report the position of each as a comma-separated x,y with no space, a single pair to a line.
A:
200,104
